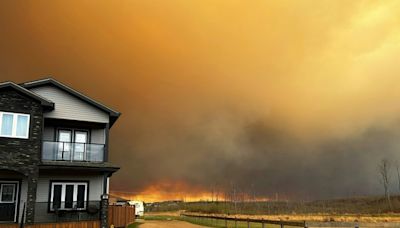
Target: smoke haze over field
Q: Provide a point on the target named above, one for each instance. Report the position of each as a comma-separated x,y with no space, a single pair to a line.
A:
299,98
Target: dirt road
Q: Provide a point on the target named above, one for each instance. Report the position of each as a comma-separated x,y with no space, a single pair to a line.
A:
168,224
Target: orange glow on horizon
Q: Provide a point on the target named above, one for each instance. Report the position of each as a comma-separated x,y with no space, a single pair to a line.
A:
169,191
165,191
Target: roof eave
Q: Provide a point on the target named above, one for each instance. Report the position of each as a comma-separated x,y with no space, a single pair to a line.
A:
46,103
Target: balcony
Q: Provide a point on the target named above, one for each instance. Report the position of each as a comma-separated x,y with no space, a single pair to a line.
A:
73,152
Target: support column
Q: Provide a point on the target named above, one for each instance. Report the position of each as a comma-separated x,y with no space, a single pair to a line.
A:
31,199
104,211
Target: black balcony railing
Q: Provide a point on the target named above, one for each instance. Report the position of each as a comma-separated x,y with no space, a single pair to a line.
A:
47,212
67,151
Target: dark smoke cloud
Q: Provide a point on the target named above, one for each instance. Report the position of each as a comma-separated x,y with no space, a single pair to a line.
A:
261,157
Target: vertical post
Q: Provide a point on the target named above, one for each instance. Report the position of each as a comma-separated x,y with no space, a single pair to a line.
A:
104,211
126,217
22,225
281,225
235,222
226,223
72,153
248,223
262,223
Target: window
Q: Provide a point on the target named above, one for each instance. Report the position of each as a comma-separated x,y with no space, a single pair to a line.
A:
64,147
14,125
68,196
81,139
72,144
7,192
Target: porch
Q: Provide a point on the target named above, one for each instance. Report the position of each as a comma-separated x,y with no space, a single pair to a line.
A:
45,212
119,216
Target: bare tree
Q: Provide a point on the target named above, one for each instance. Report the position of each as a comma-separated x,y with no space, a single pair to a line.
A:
234,196
398,174
384,168
212,193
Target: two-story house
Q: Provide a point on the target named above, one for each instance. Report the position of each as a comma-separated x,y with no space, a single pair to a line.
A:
53,154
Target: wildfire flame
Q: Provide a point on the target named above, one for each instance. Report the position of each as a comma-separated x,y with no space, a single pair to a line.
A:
168,191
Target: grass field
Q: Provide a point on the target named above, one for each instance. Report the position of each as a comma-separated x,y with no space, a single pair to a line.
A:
375,206
362,209
349,221
207,222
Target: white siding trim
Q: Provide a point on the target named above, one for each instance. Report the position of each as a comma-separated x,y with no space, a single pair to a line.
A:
108,185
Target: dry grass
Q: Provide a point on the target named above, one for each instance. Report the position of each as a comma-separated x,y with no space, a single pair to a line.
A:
320,217
350,206
363,209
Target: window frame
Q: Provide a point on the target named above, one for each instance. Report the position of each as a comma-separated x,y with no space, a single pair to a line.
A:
16,195
75,194
72,143
14,125
15,188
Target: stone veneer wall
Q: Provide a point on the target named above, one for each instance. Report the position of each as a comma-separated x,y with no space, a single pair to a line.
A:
23,155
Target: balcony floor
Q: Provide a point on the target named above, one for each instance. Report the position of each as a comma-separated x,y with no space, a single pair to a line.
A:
95,166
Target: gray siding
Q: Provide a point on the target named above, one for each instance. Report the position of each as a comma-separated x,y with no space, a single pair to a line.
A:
98,136
48,133
95,185
70,107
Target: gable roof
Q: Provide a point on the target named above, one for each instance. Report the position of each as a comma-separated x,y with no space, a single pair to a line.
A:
50,81
43,101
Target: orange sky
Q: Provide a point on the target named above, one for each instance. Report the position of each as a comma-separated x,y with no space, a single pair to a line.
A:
190,76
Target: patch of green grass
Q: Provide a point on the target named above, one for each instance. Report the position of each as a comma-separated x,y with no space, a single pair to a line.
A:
159,217
134,225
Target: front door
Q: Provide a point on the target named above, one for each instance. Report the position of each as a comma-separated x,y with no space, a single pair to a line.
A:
8,201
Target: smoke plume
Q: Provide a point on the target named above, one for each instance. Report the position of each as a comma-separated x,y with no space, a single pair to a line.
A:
299,99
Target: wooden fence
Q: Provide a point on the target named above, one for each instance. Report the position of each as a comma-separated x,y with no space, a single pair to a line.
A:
249,221
121,216
82,224
9,225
